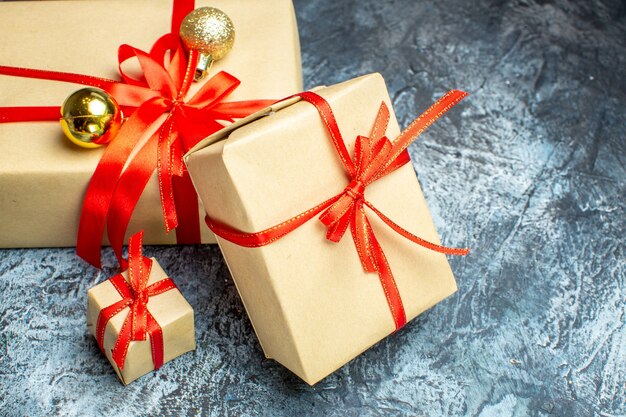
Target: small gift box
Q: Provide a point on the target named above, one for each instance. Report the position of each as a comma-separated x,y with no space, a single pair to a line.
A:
316,297
38,165
139,318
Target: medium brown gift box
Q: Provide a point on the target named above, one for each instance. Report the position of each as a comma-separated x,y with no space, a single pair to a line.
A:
171,311
312,305
43,177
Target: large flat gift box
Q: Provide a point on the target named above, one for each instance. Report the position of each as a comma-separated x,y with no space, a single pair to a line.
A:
312,305
43,177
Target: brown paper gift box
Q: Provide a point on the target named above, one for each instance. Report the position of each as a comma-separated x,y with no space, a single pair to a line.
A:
170,310
43,177
310,302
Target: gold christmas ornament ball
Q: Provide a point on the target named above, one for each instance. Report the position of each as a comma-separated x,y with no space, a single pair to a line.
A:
90,117
210,32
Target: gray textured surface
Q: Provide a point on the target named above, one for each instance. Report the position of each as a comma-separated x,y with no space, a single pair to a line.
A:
529,171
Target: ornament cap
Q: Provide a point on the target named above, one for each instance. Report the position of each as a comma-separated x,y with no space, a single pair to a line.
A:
210,32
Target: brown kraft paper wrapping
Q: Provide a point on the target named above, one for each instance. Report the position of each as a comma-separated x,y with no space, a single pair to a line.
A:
310,302
170,310
43,176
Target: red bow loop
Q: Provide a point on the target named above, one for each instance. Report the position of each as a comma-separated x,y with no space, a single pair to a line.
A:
370,156
153,74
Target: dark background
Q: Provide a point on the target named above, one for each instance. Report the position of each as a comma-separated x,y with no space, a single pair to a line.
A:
529,171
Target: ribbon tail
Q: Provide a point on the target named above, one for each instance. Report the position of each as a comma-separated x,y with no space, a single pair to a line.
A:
127,194
361,235
176,156
413,238
419,125
167,135
337,229
105,178
337,218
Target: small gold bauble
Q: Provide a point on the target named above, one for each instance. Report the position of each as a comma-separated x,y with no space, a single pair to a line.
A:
90,117
210,32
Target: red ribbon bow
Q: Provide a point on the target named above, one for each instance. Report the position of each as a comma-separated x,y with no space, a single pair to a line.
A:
139,323
374,157
128,162
114,191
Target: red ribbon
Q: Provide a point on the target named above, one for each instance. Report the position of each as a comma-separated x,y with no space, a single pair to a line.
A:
374,157
138,322
128,163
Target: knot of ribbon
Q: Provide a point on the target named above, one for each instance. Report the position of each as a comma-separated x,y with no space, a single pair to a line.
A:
375,156
135,293
157,96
